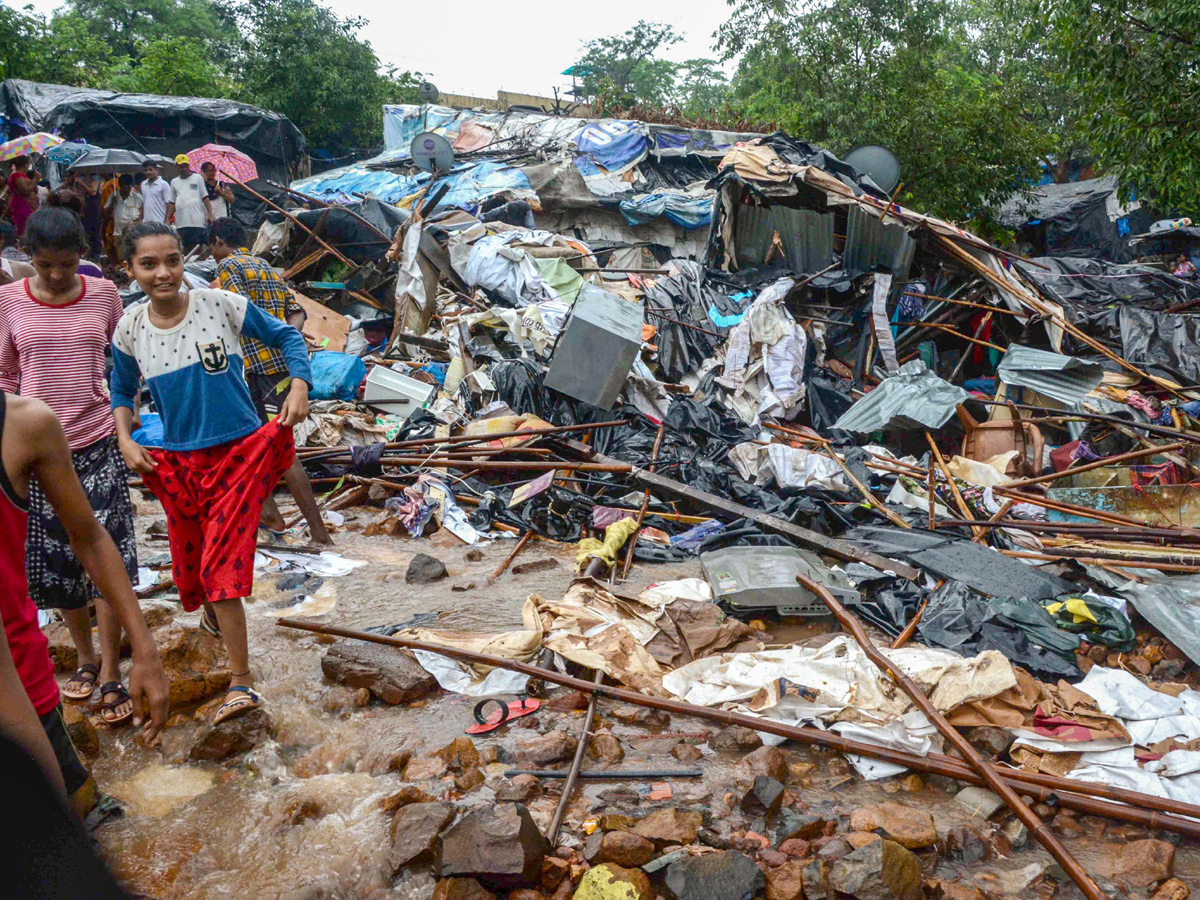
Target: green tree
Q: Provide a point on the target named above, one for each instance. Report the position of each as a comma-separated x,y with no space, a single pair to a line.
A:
1134,65
178,66
306,62
62,50
625,69
904,73
130,27
701,90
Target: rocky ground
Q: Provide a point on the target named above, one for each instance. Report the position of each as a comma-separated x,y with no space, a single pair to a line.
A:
356,779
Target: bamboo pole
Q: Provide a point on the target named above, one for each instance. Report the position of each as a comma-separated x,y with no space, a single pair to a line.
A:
573,773
633,538
500,569
986,771
1110,461
1125,805
958,497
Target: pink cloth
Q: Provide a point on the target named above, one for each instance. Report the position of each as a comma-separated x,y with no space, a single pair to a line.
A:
56,354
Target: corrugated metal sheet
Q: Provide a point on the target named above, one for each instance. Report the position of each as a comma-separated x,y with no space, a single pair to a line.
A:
1063,378
806,235
912,398
870,243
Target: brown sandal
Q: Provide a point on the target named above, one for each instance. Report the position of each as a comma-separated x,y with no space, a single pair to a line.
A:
87,674
115,687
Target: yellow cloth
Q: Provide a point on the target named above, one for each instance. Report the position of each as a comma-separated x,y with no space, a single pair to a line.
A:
1077,607
615,537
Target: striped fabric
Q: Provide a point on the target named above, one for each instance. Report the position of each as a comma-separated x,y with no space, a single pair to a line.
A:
56,354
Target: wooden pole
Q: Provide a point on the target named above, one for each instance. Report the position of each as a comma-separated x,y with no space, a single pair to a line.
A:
633,538
1098,464
573,773
958,497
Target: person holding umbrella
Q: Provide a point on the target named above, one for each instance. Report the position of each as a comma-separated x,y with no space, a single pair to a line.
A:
189,205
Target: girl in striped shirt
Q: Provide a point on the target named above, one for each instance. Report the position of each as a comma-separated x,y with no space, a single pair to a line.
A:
54,330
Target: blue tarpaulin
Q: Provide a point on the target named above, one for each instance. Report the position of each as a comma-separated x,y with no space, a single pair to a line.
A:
472,184
613,144
684,210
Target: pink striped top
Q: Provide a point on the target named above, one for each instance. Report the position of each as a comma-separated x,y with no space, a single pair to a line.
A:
56,354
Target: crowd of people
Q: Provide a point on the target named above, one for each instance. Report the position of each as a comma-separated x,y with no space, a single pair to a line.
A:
226,369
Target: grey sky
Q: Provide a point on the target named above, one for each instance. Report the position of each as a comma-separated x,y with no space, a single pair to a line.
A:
481,46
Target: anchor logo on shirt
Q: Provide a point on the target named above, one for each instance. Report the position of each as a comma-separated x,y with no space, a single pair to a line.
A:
213,356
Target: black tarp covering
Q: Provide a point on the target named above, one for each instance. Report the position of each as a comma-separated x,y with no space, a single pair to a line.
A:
153,123
685,297
1079,283
338,227
1069,219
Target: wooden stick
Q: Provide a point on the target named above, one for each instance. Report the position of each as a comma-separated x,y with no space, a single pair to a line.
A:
903,637
871,499
295,221
573,774
964,748
1100,561
1112,460
958,497
953,331
633,538
503,567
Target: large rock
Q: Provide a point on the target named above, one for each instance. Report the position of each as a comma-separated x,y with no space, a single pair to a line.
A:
764,797
551,747
195,662
501,846
725,875
613,882
623,848
461,889
769,761
604,746
414,833
882,870
80,729
1138,863
394,676
908,827
735,737
424,569
786,882
232,737
669,826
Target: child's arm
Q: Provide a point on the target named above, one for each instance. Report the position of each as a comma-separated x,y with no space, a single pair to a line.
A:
94,548
124,385
278,334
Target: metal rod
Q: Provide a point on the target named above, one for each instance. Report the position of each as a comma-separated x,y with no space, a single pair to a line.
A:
607,775
502,464
1127,805
958,497
573,773
484,438
294,220
964,748
633,539
658,315
1099,464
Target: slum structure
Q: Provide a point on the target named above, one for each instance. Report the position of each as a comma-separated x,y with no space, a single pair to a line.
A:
977,465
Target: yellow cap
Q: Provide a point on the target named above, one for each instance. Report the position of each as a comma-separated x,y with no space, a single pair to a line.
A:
182,160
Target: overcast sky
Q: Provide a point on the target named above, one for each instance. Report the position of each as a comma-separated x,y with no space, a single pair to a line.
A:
480,46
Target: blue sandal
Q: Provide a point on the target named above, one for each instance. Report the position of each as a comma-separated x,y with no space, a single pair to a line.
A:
252,699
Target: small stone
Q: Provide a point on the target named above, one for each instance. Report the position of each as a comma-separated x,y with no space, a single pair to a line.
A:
386,759
570,702
806,825
473,554
725,875
735,737
669,826
460,755
909,827
393,676
616,822
1065,823
769,761
687,753
501,846
797,848
964,844
1169,670
551,747
469,780
1017,833
764,797
414,833
425,769
1138,864
952,890
1172,889
1139,664
80,729
425,569
232,737
535,565
858,839
519,789
301,810
623,848
554,872
641,715
815,874
598,884
461,889
991,741
407,794
620,796
786,881
604,746
835,848
912,783
979,801
881,870
526,894
463,586
772,858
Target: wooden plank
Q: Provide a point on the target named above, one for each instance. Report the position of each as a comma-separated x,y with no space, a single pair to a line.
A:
326,329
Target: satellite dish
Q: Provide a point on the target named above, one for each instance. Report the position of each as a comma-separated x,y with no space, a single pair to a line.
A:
431,152
877,163
427,92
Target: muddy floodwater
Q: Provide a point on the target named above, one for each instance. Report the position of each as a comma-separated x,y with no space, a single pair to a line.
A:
298,816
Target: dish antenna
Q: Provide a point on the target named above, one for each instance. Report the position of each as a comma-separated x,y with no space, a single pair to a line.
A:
877,163
431,152
427,92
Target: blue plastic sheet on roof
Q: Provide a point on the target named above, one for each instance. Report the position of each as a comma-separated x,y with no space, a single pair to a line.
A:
340,185
613,144
400,126
685,211
474,183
